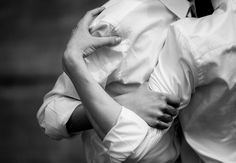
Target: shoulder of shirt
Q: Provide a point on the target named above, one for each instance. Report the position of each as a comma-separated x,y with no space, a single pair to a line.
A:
116,11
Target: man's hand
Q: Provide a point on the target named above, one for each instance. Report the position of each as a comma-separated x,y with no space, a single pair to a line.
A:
157,109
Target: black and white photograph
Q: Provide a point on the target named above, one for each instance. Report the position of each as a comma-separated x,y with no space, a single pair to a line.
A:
118,81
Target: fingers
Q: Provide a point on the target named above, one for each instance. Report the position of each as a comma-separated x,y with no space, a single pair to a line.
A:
170,110
97,11
161,125
107,41
166,118
164,121
173,101
90,15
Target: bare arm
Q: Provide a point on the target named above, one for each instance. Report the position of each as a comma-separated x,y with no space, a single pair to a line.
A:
157,109
78,121
101,109
61,104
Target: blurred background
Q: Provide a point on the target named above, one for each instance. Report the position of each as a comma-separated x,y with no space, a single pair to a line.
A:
33,37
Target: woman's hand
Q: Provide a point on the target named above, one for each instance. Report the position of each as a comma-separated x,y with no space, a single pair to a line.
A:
82,43
158,110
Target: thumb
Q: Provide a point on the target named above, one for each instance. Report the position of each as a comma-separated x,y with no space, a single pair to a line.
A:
107,41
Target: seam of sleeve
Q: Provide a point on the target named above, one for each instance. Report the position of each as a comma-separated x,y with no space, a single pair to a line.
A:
198,57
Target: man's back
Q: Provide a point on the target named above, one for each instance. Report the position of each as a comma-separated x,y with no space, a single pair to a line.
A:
209,121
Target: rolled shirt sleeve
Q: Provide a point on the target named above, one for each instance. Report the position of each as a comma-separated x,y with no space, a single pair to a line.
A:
61,101
132,140
57,108
127,134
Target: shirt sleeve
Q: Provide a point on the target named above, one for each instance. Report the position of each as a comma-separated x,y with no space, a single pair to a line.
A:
196,53
132,139
57,107
126,136
61,101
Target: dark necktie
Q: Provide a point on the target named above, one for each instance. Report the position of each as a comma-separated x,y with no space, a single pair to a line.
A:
200,8
193,9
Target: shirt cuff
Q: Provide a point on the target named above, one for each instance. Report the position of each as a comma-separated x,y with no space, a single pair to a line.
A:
126,135
57,114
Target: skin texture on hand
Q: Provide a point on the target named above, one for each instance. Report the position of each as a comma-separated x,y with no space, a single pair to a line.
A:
82,42
158,110
153,107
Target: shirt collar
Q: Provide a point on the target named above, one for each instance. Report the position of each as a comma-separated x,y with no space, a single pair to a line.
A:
178,7
216,3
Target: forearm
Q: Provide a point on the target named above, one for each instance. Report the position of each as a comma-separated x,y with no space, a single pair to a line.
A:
78,121
103,110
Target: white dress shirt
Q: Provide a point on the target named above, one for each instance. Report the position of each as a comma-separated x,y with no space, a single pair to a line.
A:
209,121
198,54
143,26
207,50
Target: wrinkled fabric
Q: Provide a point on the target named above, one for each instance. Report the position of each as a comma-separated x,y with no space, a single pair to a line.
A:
132,140
197,53
200,56
143,26
209,121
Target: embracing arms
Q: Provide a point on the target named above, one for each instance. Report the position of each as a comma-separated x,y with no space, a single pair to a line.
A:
62,106
92,95
155,108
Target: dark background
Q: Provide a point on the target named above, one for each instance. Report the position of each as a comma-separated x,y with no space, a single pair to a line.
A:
33,37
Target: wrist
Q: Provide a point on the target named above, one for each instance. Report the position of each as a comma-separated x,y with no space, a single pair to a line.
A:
71,62
72,55
124,101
